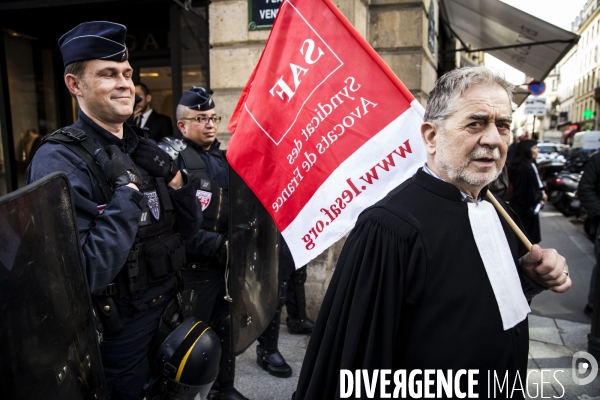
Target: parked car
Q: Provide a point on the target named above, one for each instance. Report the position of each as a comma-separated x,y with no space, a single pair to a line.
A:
550,151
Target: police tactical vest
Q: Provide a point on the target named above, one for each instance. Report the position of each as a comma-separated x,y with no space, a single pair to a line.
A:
213,198
158,252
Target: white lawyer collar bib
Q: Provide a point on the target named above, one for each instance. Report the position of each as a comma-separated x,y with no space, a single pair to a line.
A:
499,264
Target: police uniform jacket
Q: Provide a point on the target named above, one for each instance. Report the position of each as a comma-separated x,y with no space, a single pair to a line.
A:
210,186
107,230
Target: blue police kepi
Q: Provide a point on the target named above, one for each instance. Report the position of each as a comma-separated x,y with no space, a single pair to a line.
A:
134,208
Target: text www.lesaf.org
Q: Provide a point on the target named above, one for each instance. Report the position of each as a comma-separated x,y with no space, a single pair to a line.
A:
334,210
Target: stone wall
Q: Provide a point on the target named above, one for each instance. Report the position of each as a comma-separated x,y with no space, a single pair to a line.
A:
397,30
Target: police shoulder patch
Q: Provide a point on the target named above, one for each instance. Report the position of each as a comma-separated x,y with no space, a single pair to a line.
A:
204,198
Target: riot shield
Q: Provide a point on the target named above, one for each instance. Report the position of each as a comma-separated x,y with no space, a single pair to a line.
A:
253,262
48,342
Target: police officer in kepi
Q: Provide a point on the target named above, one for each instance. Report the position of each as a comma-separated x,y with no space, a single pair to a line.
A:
134,208
199,155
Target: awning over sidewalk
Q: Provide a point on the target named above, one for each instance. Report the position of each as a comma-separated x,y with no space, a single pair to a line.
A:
487,24
519,95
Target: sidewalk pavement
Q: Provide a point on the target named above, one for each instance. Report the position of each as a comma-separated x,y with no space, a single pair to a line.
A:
553,342
558,328
256,383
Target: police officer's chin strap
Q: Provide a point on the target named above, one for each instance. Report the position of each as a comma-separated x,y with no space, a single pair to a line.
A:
227,296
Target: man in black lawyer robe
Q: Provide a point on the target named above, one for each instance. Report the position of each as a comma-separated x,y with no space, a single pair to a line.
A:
414,287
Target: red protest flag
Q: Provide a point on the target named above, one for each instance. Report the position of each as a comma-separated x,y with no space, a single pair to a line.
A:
323,129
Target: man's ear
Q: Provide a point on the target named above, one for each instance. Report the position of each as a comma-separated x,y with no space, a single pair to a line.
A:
73,84
149,98
181,127
429,134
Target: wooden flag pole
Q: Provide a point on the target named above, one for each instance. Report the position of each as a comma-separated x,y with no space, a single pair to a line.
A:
508,219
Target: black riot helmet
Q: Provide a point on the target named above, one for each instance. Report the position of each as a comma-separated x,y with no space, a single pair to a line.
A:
188,359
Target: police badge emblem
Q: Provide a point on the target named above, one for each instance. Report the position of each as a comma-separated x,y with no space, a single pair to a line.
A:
204,198
153,204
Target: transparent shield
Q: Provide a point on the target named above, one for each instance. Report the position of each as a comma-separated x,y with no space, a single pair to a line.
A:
48,340
253,262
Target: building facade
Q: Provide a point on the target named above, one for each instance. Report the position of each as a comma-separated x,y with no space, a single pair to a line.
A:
587,67
567,118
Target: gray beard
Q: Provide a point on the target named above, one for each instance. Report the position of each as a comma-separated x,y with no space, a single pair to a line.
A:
461,173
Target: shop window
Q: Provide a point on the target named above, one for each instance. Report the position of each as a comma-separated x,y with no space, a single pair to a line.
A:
21,87
31,93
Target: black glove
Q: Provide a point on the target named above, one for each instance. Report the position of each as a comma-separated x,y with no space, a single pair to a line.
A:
221,252
150,157
117,166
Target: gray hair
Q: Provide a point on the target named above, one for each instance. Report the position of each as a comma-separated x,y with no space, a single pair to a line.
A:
181,111
454,83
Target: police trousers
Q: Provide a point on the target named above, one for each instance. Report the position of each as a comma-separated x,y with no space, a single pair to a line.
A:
208,281
125,354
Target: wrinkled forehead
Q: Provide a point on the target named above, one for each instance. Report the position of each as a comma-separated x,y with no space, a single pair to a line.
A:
485,99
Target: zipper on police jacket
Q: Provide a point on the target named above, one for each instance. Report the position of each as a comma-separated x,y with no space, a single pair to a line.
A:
218,209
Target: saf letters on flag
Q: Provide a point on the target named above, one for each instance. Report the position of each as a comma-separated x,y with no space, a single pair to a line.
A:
323,129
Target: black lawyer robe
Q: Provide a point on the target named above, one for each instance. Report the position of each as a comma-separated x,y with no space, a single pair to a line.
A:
410,291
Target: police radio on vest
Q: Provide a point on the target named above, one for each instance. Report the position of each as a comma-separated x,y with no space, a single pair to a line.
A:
309,44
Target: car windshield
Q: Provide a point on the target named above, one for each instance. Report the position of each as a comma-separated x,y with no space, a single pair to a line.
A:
547,149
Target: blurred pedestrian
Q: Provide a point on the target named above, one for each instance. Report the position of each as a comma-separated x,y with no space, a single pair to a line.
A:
510,154
528,194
